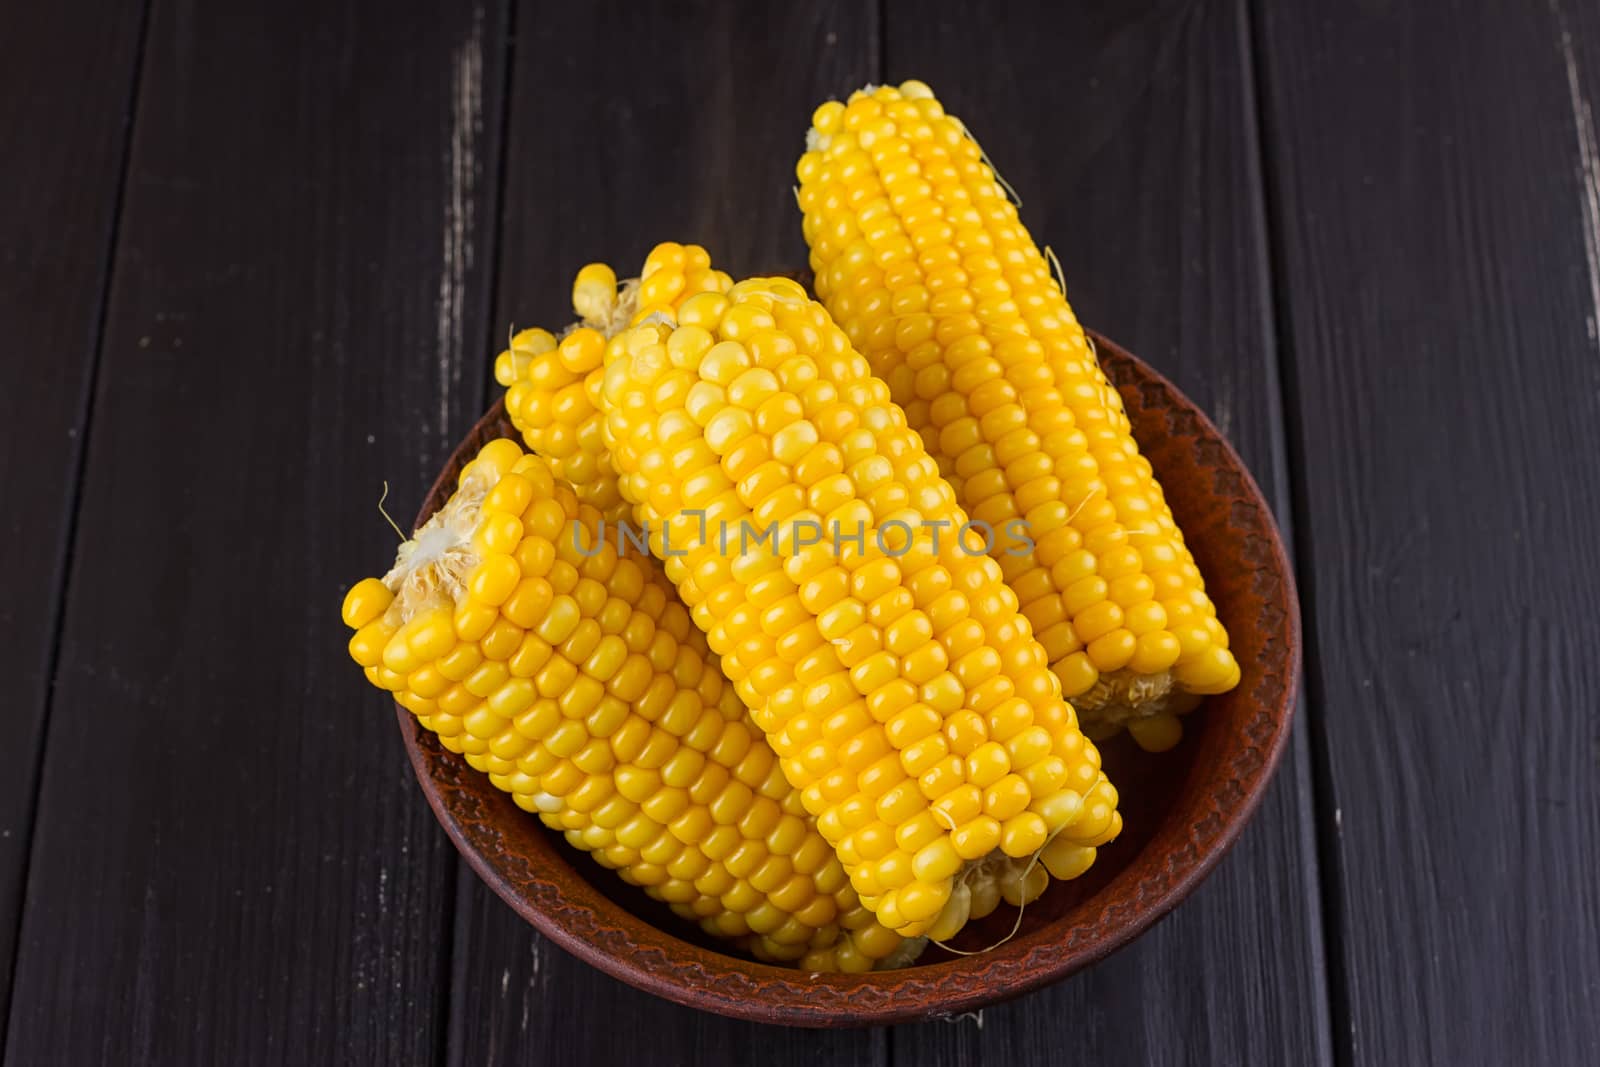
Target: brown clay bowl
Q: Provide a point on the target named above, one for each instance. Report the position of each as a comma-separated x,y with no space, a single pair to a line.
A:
1182,809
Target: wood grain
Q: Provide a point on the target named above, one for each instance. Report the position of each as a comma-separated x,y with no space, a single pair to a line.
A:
522,1000
62,179
1437,212
685,126
232,863
1129,131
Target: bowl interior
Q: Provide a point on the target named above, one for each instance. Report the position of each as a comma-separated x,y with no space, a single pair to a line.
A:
1181,809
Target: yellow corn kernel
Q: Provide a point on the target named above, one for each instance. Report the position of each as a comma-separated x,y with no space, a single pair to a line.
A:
919,254
553,388
769,402
601,708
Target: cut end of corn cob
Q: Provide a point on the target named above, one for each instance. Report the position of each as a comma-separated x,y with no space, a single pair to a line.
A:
920,256
553,384
567,671
892,672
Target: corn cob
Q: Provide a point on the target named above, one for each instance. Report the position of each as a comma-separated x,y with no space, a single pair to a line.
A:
573,677
921,258
553,387
894,676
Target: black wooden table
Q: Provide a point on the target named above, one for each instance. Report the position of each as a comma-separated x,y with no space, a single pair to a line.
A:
255,259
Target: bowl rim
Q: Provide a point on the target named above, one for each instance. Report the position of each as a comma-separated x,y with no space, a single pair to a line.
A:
600,932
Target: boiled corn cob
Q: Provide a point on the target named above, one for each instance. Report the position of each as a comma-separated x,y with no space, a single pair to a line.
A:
921,258
893,675
573,677
553,386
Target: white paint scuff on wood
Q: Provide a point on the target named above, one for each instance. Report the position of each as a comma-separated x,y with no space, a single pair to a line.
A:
461,179
1588,166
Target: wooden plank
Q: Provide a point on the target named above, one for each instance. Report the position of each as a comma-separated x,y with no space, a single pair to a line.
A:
231,862
660,135
64,155
1129,131
518,999
1437,216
